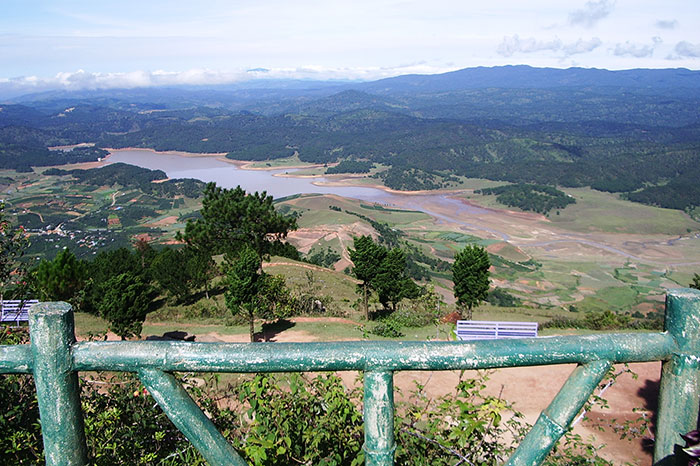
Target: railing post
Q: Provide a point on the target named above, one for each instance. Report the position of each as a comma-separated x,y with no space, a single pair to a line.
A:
379,444
678,396
52,333
556,419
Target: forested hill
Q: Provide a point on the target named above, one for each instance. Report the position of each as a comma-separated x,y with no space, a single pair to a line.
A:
635,132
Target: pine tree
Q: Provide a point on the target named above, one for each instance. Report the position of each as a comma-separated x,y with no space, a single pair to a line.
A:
60,279
233,219
392,281
126,302
244,284
366,259
470,274
13,242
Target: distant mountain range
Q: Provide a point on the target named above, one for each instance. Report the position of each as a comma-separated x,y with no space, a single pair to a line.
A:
501,77
527,77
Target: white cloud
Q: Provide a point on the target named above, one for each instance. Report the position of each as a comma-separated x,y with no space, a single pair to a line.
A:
591,13
633,50
582,46
513,45
687,49
667,24
85,80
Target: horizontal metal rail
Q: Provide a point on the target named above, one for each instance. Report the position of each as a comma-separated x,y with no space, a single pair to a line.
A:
131,356
55,358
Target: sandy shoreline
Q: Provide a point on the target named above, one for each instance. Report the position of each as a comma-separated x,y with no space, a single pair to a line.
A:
342,180
167,152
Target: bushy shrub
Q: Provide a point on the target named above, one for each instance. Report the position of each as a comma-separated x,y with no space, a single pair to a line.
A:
501,298
387,327
20,431
606,320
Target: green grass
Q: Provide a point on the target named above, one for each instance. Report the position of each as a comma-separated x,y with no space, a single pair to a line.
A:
312,171
329,282
86,324
316,211
599,211
618,297
292,161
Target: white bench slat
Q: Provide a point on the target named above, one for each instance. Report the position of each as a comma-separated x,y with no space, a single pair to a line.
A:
16,310
491,330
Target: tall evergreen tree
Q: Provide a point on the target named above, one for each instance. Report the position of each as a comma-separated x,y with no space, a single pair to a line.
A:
170,270
244,284
470,274
126,302
232,219
366,258
13,242
60,279
105,266
392,281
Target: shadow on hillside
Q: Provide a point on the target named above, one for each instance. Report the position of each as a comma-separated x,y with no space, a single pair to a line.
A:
271,329
199,295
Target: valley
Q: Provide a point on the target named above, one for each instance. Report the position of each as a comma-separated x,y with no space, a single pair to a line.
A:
602,252
580,186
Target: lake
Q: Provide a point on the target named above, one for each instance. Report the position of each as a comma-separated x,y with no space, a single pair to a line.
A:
228,175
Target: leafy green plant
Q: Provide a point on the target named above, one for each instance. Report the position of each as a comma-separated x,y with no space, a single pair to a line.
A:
387,327
300,420
20,431
465,427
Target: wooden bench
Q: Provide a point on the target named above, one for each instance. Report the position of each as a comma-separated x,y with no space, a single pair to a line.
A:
16,310
487,330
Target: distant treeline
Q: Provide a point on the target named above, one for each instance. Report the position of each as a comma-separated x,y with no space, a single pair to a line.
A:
131,176
534,197
21,149
257,151
351,166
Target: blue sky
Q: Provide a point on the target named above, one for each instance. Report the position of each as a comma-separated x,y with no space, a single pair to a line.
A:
130,43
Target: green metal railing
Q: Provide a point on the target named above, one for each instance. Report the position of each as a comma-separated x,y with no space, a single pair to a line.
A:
55,358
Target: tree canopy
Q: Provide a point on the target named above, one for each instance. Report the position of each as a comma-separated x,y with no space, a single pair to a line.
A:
60,279
470,274
248,288
392,281
13,242
232,219
366,258
126,302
